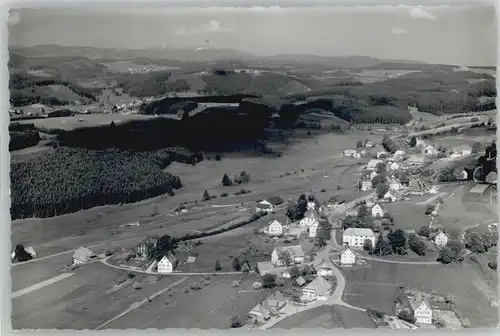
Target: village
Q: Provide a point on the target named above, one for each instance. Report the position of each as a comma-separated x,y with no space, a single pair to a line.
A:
315,241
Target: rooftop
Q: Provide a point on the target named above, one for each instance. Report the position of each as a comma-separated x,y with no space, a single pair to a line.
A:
359,232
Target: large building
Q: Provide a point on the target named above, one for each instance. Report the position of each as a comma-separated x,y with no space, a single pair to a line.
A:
355,237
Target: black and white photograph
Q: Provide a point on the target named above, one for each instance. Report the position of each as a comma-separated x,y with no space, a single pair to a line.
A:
253,168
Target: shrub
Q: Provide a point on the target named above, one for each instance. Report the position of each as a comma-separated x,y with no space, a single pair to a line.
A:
217,266
406,316
235,322
226,181
269,280
492,264
224,194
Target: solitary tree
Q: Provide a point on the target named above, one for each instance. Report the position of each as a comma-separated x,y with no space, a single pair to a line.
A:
217,266
269,280
285,257
359,144
416,244
21,254
446,255
424,231
368,246
235,322
206,196
226,181
413,141
236,264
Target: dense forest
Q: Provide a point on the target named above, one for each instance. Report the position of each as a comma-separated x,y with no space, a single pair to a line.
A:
68,180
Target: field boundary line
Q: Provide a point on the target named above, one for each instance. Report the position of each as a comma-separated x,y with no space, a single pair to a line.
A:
41,285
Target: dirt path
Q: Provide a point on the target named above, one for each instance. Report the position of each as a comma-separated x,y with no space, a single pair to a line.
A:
41,285
137,305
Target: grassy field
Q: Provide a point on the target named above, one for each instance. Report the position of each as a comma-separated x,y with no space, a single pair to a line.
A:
408,215
214,306
327,317
375,286
84,300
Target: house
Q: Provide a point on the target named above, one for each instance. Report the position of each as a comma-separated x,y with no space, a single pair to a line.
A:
373,174
286,274
260,313
370,202
355,237
347,256
30,250
269,205
416,187
245,267
420,143
310,217
296,252
441,239
377,211
365,185
463,176
416,160
390,196
369,144
399,152
323,269
191,260
318,289
421,309
372,165
145,245
395,185
350,152
275,228
357,155
382,155
313,204
313,229
276,301
300,281
168,263
430,150
82,255
393,166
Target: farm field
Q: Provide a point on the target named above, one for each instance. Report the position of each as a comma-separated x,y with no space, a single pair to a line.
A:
408,215
68,123
216,302
76,302
375,286
327,317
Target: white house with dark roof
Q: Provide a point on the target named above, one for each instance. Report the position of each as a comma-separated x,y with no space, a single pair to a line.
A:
377,211
355,237
347,256
167,264
323,269
372,164
269,205
318,289
421,309
365,185
275,228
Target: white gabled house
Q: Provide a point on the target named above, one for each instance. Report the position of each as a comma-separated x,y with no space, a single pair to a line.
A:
82,255
318,289
368,144
430,150
323,269
422,310
393,166
347,256
377,211
390,196
350,152
395,185
275,228
167,264
269,205
355,237
373,174
441,239
365,185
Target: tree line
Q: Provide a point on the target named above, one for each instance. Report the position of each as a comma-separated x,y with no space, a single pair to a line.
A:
68,180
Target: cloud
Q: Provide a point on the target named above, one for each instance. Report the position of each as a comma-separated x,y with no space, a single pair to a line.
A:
420,13
398,31
211,26
14,18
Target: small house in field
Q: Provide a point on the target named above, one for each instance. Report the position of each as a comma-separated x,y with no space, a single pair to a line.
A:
275,228
347,256
167,264
377,211
350,152
82,255
318,289
311,217
323,269
441,239
295,251
421,309
365,185
269,205
372,164
355,237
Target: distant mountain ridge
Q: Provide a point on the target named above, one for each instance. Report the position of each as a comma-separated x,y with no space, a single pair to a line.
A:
202,55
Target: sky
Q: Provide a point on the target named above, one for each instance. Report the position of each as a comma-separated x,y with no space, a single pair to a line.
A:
462,35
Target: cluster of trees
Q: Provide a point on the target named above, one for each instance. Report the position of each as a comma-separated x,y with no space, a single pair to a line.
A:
296,210
389,144
447,174
164,244
364,219
324,232
68,180
394,243
242,178
24,90
23,139
146,84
